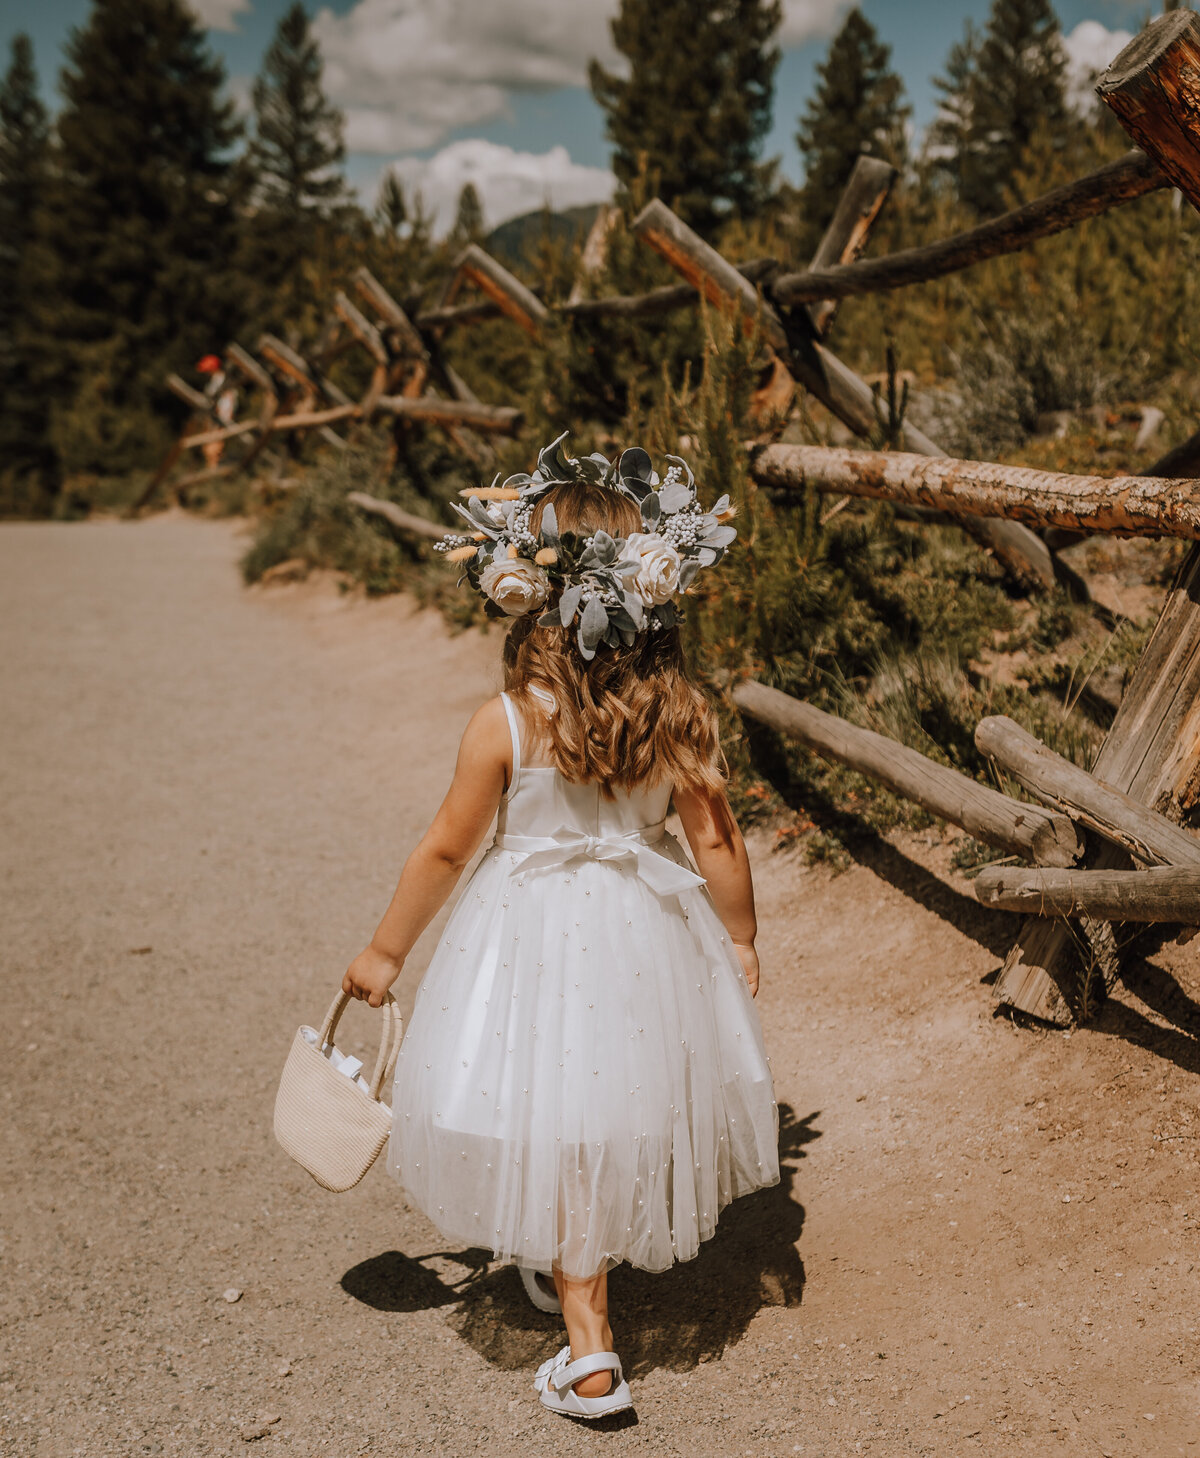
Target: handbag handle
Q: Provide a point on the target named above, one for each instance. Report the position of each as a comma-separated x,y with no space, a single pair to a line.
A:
389,1042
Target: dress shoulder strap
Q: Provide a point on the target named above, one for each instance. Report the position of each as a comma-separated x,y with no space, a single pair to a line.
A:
515,733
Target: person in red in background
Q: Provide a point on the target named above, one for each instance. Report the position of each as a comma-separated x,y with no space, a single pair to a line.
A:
225,398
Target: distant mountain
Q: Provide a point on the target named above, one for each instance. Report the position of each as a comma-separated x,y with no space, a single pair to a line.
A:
516,241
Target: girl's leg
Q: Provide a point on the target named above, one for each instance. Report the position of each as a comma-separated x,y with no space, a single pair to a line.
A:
585,1311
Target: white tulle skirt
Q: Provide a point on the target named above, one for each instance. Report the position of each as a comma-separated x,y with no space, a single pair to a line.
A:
583,1080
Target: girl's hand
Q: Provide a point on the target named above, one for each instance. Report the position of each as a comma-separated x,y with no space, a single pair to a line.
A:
749,960
370,975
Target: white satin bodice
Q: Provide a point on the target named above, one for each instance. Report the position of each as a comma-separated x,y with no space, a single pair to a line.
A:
540,801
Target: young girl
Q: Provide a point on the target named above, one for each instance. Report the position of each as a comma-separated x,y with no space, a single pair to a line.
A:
583,1080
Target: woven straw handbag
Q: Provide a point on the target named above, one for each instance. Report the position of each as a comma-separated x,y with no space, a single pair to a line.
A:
327,1117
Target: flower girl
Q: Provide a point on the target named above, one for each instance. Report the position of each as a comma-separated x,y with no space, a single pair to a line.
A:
583,1081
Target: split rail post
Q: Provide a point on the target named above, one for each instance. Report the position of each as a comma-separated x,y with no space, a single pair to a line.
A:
285,361
1020,551
372,341
507,291
1152,750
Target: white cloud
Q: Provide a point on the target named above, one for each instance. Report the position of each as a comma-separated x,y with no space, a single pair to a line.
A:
804,20
408,72
1090,47
219,14
509,183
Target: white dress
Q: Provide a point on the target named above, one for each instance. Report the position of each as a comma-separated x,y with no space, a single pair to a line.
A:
583,1080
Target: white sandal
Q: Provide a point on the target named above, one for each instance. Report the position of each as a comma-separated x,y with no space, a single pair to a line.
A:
556,1377
536,1284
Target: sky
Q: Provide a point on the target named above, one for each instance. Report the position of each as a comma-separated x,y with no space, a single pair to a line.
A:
494,91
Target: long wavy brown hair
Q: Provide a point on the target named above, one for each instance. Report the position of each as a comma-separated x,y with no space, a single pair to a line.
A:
629,716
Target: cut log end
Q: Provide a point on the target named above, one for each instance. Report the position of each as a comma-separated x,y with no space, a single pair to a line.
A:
1145,50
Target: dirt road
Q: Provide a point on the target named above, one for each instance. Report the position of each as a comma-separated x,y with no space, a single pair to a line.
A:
986,1237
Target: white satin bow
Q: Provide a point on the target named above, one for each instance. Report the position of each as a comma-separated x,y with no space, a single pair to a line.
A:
660,873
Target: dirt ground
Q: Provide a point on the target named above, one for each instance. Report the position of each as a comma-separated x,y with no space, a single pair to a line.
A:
985,1238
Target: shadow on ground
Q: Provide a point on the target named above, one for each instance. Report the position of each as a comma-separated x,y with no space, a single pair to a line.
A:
676,1319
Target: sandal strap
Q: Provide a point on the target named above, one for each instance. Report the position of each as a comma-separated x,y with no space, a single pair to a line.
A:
565,1377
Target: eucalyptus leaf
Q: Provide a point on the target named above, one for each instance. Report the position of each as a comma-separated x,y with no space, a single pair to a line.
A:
594,623
667,614
634,464
688,571
568,604
675,496
550,525
587,652
552,461
627,637
721,504
549,619
605,548
720,536
619,618
651,510
706,556
634,607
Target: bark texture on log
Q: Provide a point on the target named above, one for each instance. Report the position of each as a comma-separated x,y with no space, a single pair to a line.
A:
1125,506
446,314
493,419
250,367
415,526
704,268
1165,894
1153,86
1147,836
657,301
867,189
521,305
1016,828
361,327
408,338
1129,177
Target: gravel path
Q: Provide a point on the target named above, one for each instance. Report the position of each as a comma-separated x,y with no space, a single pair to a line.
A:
985,1238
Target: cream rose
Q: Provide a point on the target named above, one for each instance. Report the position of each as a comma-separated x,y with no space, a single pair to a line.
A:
515,584
657,578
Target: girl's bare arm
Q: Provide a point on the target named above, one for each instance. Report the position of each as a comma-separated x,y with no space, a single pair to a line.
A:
720,855
432,870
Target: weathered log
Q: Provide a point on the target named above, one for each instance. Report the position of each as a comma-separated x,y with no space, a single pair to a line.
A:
863,197
250,367
403,521
1127,506
492,419
521,305
361,327
397,321
657,301
1129,177
1152,751
301,420
446,314
704,268
595,249
197,399
1148,837
1165,894
1018,829
1180,460
1153,87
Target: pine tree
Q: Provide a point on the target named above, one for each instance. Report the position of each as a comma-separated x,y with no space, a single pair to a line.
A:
24,133
136,230
391,208
297,151
468,222
856,107
999,90
696,104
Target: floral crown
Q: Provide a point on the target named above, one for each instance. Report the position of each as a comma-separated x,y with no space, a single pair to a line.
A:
612,588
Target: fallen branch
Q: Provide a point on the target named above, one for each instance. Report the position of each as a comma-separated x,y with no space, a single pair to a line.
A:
1125,506
494,419
1167,893
1147,836
404,521
1018,829
1130,177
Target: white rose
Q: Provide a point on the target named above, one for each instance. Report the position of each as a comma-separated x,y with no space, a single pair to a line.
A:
515,584
657,577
